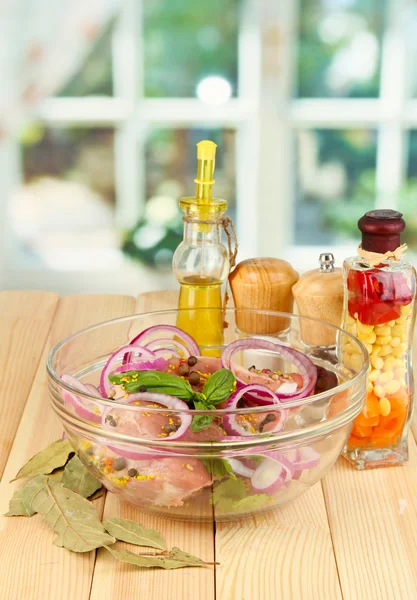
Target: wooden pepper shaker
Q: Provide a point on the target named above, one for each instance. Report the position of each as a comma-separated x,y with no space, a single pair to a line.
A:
262,283
319,294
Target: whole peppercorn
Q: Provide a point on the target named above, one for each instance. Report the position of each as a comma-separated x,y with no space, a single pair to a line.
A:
119,464
194,378
192,361
132,472
183,369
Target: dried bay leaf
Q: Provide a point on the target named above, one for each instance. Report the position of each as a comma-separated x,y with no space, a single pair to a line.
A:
175,559
78,478
72,517
21,502
132,532
97,494
52,457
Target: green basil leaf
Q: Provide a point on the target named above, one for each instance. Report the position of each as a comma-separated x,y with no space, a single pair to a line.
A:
201,422
218,467
161,383
220,386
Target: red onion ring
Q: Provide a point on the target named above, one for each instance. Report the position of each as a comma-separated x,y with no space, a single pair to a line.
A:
189,342
268,477
306,367
163,351
93,390
105,384
179,346
158,364
76,402
230,422
239,468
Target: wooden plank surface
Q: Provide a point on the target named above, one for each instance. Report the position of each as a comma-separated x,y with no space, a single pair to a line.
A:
288,554
373,519
118,581
25,320
31,568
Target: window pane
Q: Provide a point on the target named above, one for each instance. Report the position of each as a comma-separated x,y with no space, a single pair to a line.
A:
187,40
335,183
340,48
66,204
95,76
171,167
407,203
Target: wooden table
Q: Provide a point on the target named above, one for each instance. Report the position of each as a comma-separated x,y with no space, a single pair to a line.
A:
352,536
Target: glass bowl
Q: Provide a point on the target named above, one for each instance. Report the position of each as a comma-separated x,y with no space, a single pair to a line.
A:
211,474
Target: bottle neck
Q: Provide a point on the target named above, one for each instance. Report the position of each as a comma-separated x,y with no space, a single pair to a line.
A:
196,233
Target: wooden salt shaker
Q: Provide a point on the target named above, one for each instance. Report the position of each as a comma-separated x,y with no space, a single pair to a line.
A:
319,294
262,283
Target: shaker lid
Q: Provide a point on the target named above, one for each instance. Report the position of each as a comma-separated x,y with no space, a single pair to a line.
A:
381,230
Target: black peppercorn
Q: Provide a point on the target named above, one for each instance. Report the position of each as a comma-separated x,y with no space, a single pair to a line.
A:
143,388
183,369
194,378
192,361
132,472
119,464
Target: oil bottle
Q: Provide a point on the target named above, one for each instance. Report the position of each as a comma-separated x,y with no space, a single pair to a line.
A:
201,262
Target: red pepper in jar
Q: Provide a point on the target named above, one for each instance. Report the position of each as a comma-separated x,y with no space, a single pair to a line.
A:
375,295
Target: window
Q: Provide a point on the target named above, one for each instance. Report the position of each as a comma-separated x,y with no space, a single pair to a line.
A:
313,106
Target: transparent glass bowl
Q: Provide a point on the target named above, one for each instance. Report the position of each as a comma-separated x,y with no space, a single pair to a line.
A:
210,474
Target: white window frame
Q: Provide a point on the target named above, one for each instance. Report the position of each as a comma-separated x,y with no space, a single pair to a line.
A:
264,115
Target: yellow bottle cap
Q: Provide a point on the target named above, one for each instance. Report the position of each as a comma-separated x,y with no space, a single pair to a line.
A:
206,150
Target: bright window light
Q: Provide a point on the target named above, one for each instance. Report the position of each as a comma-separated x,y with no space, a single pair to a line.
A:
214,90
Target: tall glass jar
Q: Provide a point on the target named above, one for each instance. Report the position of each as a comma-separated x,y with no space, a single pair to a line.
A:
379,310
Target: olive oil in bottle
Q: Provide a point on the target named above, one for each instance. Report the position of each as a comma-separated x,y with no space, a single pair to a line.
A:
201,261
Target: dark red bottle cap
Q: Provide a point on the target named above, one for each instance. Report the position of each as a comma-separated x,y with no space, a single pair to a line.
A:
381,230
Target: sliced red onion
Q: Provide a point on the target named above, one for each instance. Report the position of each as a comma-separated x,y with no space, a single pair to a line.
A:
179,346
307,458
159,364
93,390
306,367
105,384
148,335
231,421
78,403
165,401
274,472
164,351
239,468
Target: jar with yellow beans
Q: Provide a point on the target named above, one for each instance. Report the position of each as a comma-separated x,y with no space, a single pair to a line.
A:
380,289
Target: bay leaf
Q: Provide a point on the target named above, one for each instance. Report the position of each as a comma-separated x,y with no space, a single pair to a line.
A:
21,502
97,494
77,477
44,462
175,559
56,475
132,532
72,517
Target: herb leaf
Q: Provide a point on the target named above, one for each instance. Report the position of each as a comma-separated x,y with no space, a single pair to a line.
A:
52,457
175,559
77,477
21,501
132,532
220,386
72,517
200,422
155,381
218,467
252,502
